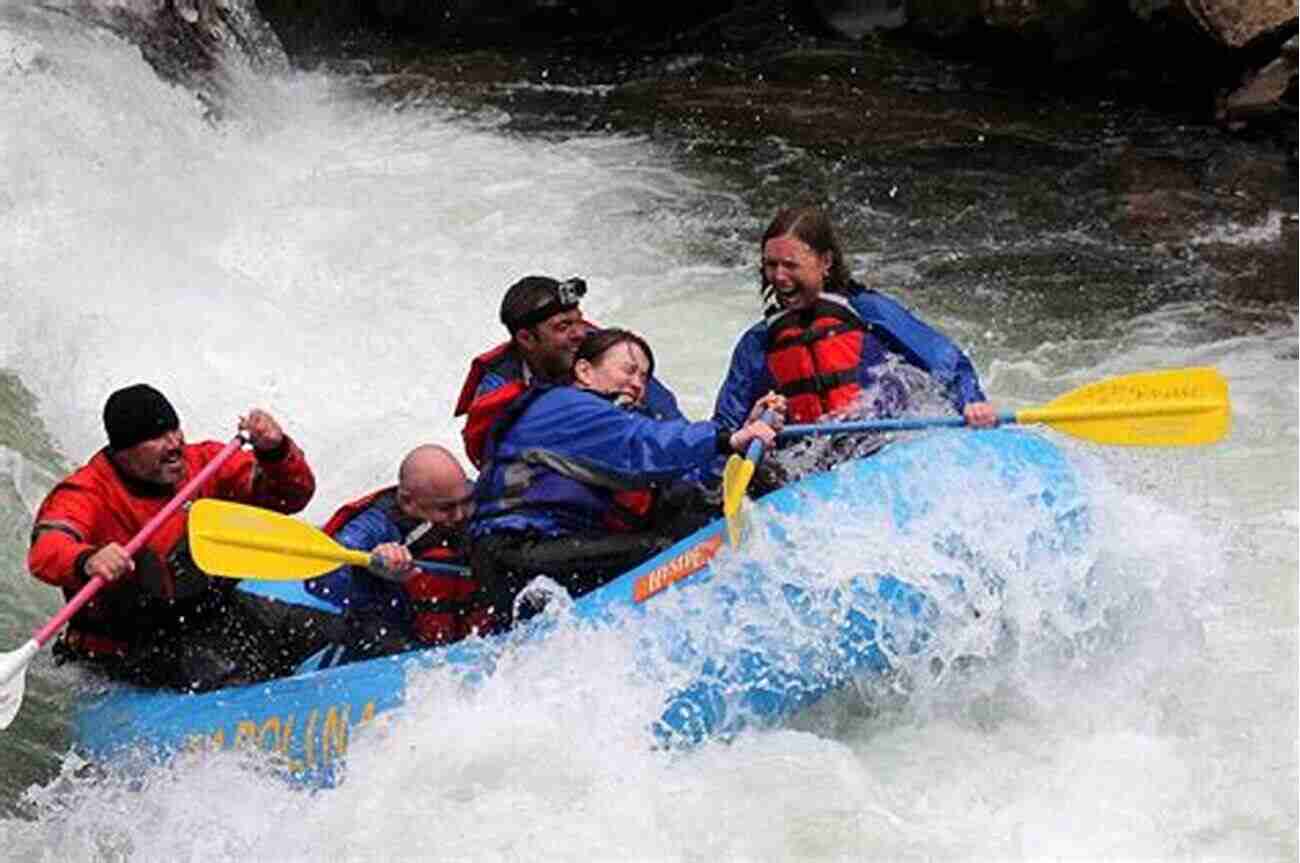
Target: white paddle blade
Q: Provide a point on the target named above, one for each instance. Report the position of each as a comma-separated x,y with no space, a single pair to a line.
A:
13,679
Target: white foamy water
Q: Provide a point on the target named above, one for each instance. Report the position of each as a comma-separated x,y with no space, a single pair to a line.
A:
335,262
338,262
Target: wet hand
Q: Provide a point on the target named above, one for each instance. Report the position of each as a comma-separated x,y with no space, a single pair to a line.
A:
262,430
774,402
109,563
980,415
389,560
757,430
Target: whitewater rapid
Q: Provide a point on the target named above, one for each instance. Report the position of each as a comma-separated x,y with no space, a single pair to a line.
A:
337,261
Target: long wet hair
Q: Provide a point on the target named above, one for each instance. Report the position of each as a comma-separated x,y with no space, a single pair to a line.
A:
812,226
598,342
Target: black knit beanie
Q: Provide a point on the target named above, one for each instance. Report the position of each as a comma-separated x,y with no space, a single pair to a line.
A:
137,413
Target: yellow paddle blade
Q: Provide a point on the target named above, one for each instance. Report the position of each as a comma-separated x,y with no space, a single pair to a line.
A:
239,541
1179,407
735,481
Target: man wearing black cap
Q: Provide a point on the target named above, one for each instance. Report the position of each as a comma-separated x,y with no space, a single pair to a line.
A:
546,326
158,620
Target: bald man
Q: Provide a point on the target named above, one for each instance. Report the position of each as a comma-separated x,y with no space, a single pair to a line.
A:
391,605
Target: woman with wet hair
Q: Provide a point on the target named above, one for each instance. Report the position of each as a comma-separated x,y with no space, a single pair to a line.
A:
571,473
824,338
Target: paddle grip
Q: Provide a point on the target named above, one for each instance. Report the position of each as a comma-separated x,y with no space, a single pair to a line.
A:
425,565
434,566
46,632
754,452
904,424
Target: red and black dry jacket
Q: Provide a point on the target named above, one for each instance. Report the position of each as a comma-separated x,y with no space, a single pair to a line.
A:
98,505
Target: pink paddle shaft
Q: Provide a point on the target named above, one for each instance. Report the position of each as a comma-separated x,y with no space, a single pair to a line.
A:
46,632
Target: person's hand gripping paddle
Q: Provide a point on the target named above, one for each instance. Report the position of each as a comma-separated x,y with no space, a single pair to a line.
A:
13,665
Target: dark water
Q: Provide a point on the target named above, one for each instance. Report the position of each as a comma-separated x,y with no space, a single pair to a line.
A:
1079,207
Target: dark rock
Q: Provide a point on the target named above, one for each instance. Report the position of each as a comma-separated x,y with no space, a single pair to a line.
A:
196,43
1265,92
1238,22
1196,51
856,18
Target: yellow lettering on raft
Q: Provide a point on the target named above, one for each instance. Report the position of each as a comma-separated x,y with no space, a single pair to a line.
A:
295,765
245,733
334,734
201,742
286,736
272,727
308,746
276,735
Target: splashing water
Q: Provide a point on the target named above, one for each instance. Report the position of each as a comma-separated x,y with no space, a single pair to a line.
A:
338,261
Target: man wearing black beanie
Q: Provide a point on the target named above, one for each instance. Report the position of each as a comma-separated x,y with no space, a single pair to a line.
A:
159,620
137,413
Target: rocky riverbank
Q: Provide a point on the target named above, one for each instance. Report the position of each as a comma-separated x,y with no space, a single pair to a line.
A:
859,111
1233,59
923,129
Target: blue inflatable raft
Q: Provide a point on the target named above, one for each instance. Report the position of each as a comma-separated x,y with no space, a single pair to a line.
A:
798,624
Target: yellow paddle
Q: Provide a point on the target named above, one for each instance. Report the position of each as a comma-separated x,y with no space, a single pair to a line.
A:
239,541
735,480
1178,407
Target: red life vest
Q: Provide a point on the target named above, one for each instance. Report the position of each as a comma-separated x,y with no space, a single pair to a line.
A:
352,509
484,411
814,356
443,605
631,511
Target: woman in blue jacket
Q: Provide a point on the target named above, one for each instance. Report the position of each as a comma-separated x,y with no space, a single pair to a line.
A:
824,338
572,472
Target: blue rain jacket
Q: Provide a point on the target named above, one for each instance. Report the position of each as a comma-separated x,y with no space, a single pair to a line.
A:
355,586
555,461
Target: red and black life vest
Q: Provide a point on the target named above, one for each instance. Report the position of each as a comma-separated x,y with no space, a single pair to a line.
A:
814,355
631,511
484,411
443,605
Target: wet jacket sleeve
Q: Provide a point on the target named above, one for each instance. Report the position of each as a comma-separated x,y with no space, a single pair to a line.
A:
280,480
660,401
66,532
616,447
349,585
369,529
747,380
921,345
